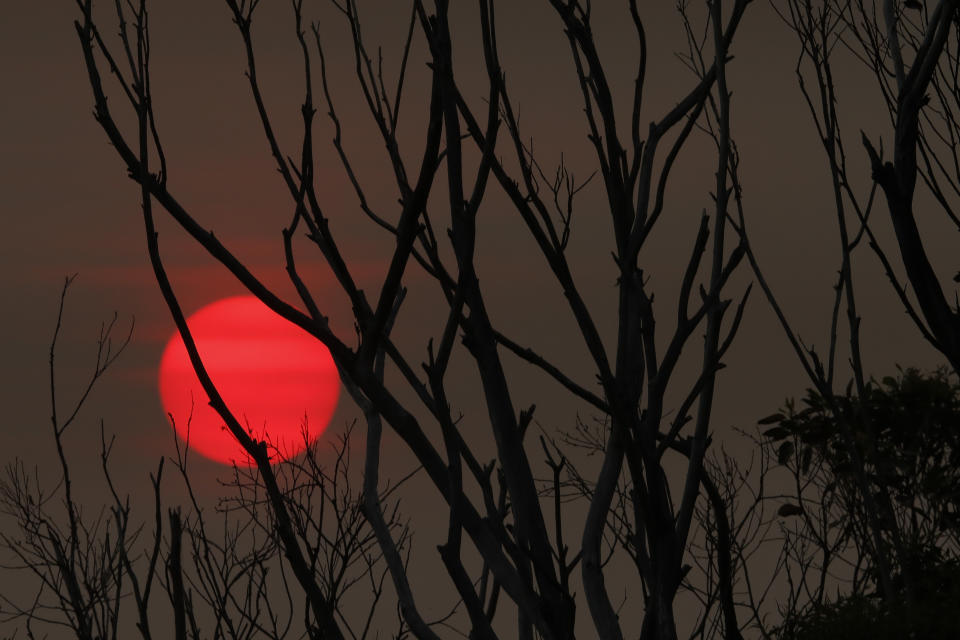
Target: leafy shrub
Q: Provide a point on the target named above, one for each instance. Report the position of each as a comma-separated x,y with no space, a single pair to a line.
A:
906,431
903,436
932,616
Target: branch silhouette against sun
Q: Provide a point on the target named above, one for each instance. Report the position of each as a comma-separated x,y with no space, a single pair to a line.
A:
222,579
622,517
499,547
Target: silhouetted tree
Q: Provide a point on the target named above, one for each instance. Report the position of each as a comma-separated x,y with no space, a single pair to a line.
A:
909,54
913,428
870,488
494,507
912,58
224,576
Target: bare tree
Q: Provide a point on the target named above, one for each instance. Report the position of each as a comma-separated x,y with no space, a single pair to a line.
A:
849,529
74,563
213,566
910,51
501,516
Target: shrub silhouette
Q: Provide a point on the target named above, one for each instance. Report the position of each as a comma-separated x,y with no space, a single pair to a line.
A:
905,432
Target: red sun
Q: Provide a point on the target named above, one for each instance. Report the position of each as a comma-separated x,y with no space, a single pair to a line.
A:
274,377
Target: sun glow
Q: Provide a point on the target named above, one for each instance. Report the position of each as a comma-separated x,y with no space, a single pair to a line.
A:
275,378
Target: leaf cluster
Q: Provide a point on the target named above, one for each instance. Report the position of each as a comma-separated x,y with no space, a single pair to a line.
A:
906,431
862,617
897,447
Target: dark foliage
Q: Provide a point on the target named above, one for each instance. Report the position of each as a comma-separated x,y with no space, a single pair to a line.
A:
855,617
905,431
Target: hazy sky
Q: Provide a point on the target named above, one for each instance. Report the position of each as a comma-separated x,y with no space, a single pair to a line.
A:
67,206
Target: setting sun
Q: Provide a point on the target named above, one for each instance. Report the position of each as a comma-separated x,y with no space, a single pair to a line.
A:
275,378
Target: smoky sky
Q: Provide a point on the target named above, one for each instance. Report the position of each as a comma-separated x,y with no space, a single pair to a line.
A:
67,207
